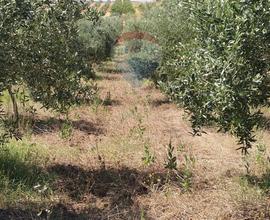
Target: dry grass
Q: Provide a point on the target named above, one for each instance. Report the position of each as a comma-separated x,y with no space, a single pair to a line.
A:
99,168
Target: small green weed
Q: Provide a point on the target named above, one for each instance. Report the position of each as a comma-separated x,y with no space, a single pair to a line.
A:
148,157
171,160
185,172
66,130
108,99
96,103
186,177
139,130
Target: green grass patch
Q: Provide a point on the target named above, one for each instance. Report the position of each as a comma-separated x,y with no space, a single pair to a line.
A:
22,173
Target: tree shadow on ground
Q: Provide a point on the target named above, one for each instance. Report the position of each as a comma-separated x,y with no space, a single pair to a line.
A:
21,170
265,123
78,182
109,77
97,194
50,125
56,212
111,102
116,190
68,212
111,70
263,182
159,102
251,211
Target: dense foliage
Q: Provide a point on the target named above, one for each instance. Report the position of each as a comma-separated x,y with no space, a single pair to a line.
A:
99,37
122,7
40,49
216,61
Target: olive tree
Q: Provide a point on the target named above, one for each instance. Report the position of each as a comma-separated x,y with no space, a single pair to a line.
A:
99,37
40,50
217,67
121,7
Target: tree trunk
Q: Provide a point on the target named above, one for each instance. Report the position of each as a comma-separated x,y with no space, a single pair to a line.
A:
15,106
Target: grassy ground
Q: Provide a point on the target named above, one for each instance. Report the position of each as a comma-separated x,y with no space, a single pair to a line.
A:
108,162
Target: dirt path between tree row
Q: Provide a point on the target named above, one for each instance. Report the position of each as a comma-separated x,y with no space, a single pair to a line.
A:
111,137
